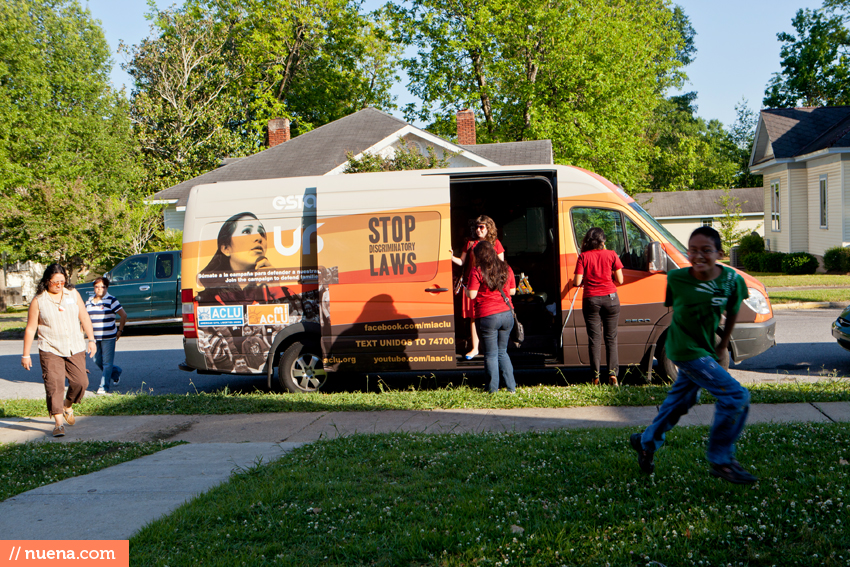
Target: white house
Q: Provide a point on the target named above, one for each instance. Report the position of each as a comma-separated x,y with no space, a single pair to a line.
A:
804,156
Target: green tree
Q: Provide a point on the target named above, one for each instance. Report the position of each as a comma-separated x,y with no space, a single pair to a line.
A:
70,224
61,119
743,134
404,157
815,67
689,153
67,158
212,73
182,101
730,233
586,74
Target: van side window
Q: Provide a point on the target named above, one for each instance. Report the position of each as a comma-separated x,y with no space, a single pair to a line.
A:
164,266
636,258
611,222
131,269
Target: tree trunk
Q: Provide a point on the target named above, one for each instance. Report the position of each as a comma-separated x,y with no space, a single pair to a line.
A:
478,66
291,62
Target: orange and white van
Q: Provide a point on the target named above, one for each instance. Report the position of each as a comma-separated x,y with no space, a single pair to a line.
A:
322,275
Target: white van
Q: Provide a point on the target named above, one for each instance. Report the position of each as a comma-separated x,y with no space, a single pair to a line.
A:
318,275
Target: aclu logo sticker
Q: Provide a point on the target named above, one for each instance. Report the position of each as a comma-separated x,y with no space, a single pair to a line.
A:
223,316
268,314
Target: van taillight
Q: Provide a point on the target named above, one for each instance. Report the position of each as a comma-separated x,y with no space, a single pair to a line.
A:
187,296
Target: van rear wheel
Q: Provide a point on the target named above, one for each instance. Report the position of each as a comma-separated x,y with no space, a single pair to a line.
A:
300,369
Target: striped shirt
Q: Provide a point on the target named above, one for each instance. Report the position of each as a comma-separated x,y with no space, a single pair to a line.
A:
59,331
102,313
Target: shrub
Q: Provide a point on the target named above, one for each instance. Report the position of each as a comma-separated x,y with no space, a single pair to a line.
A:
771,261
837,259
752,262
750,244
799,263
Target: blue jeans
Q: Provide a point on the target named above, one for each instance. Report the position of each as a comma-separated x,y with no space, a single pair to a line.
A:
494,332
730,411
103,359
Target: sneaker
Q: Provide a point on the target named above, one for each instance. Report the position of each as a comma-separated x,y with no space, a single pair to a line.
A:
69,416
116,377
612,379
59,431
644,457
103,392
733,472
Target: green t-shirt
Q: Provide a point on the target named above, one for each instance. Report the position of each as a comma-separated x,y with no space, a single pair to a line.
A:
697,309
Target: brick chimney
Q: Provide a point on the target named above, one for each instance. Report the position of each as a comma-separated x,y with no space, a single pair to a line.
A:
465,127
278,131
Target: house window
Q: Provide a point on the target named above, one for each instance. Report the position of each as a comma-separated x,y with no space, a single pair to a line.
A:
706,222
774,207
823,202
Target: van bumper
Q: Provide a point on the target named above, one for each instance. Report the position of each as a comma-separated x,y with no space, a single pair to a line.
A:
194,358
750,339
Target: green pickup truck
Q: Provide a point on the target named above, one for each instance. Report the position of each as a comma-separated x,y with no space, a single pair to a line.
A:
147,285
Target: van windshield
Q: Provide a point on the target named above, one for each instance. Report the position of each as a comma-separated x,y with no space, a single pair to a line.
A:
666,233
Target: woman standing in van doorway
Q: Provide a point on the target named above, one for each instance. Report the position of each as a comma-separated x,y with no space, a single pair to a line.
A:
57,313
491,284
601,304
484,230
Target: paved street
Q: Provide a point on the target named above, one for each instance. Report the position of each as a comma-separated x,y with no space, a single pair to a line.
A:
149,356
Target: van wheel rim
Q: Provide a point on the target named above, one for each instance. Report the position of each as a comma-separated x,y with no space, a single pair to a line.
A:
307,372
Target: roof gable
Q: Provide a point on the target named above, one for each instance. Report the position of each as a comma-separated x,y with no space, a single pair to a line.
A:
785,133
324,151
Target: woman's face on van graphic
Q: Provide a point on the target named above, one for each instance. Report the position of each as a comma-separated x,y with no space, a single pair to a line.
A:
247,245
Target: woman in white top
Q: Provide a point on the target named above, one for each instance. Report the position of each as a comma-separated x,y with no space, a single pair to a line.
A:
57,312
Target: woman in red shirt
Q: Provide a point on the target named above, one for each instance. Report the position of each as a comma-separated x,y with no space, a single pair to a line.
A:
493,312
600,302
484,229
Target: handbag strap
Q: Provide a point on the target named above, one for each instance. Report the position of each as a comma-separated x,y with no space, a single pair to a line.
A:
508,303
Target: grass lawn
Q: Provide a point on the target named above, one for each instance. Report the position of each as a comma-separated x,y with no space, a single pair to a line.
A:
551,498
12,325
459,397
806,295
770,279
30,465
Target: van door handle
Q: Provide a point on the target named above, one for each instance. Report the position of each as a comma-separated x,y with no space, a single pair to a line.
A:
433,289
144,287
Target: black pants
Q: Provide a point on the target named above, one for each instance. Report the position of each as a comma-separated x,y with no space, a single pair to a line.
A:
602,313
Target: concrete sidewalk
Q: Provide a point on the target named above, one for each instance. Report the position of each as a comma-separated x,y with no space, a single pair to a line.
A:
116,502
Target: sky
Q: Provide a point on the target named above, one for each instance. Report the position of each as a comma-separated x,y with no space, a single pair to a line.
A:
737,49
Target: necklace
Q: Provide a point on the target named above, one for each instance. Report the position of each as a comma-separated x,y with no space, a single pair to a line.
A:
58,303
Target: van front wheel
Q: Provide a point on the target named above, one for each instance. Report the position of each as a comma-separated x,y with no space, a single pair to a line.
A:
300,369
666,371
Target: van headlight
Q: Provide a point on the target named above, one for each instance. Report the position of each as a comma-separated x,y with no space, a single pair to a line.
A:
757,302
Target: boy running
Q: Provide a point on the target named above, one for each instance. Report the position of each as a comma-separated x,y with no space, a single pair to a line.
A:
699,295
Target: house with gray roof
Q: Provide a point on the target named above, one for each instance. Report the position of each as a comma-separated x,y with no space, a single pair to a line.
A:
681,212
803,155
323,151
